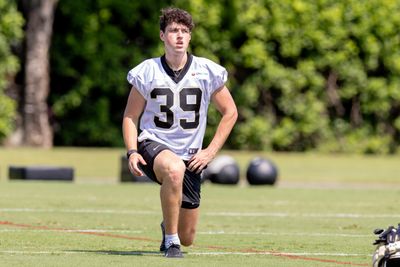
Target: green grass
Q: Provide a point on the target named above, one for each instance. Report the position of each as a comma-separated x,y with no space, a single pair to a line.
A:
103,164
90,164
321,213
315,224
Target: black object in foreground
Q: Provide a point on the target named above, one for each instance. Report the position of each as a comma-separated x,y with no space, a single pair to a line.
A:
41,173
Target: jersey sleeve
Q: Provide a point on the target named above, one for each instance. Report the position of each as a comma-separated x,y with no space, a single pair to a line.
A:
218,76
140,77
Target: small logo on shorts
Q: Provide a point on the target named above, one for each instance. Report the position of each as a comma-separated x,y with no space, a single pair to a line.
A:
192,151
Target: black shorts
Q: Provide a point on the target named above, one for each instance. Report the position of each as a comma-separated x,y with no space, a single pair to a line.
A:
191,188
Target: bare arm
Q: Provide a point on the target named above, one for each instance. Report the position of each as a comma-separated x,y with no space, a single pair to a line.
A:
133,110
224,103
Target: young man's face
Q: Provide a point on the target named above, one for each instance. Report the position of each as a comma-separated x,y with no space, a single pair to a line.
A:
176,38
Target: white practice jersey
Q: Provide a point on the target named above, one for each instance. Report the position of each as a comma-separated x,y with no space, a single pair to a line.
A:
176,107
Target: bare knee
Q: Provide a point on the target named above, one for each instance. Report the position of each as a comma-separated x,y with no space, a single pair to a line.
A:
169,169
187,242
174,173
188,219
187,237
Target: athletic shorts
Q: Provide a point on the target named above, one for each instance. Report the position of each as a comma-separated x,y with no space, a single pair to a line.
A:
191,188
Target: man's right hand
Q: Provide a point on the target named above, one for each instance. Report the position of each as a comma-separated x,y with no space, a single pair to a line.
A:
133,163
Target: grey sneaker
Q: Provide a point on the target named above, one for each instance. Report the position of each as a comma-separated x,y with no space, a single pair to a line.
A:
162,246
174,251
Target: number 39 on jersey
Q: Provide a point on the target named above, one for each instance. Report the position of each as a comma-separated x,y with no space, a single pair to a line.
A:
189,100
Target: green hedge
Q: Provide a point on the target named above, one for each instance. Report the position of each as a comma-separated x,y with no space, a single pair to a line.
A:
11,23
306,75
309,74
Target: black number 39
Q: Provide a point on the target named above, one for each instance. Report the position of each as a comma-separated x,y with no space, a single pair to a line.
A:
183,104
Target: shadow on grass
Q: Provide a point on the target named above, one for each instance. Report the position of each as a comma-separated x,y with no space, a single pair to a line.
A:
120,253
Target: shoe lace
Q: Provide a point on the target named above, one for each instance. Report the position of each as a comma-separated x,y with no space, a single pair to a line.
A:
173,245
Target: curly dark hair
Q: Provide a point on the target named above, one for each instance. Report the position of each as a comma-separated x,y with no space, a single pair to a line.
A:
173,14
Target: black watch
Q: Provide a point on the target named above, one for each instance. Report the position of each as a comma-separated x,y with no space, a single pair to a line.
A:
130,152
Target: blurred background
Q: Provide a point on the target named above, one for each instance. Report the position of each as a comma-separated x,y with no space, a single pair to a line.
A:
320,76
317,86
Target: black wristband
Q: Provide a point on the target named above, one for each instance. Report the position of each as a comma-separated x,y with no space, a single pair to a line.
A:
130,152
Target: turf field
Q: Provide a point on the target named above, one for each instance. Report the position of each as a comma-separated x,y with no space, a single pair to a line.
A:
321,213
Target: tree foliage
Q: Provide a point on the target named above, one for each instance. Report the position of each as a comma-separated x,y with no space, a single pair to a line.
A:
95,44
308,74
11,23
305,74
331,69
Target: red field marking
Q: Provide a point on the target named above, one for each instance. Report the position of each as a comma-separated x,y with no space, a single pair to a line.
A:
79,232
290,256
271,252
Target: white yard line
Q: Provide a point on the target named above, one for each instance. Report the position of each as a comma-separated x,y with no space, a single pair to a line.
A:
220,232
282,234
70,230
296,214
101,211
218,253
37,252
200,253
214,214
215,232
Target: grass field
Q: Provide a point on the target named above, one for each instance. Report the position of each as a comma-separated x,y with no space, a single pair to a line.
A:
321,213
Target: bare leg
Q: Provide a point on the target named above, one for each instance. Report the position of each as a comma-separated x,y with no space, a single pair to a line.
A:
188,219
170,169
